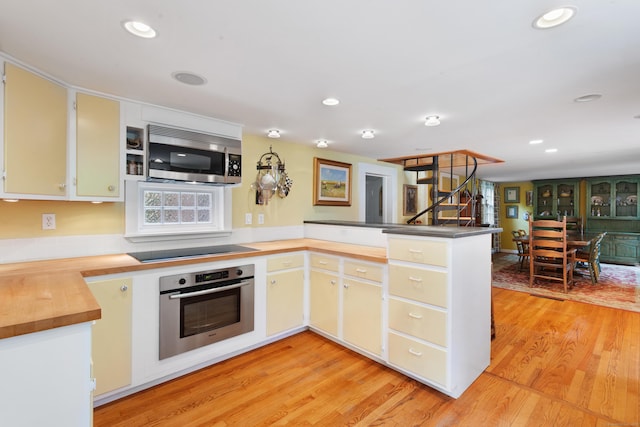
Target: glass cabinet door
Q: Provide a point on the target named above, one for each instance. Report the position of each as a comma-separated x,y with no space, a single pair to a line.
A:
600,200
544,200
626,199
566,200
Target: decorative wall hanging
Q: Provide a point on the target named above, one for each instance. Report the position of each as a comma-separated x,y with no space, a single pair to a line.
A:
331,183
272,178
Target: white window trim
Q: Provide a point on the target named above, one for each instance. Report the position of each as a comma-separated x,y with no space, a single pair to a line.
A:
137,231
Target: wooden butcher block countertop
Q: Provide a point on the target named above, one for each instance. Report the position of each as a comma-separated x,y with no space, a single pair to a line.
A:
40,295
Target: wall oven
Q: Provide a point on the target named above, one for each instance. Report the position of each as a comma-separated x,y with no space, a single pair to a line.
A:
198,309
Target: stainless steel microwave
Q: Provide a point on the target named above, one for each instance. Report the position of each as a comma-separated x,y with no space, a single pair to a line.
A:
182,155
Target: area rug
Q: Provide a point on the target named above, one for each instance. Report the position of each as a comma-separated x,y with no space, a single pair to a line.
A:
618,286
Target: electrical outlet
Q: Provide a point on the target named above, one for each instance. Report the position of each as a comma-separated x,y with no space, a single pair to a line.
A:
247,219
260,218
48,221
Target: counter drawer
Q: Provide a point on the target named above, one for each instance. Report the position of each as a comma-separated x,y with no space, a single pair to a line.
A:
427,286
419,321
421,251
363,271
324,262
421,359
294,260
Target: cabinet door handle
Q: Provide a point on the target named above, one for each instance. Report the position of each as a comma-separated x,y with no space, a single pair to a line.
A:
62,186
273,281
346,286
124,288
333,282
111,188
415,352
415,279
415,316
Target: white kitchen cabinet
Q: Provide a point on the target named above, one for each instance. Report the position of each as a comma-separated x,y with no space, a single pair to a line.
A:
439,321
285,293
111,345
97,148
35,136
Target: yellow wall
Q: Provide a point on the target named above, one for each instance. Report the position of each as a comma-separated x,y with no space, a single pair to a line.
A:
510,224
24,218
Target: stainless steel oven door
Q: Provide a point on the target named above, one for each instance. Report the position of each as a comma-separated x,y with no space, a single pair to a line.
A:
202,315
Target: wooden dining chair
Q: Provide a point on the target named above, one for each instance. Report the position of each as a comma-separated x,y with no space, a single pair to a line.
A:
574,224
549,257
591,258
523,248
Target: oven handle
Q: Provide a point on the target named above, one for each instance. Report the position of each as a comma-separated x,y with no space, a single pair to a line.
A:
210,291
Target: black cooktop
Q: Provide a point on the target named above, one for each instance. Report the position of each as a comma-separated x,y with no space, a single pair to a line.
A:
167,254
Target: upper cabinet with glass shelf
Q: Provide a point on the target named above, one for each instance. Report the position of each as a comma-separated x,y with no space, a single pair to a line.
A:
555,198
613,197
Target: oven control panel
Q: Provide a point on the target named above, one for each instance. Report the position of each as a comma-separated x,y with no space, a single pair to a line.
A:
178,281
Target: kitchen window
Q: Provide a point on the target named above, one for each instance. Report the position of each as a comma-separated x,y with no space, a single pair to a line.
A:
159,209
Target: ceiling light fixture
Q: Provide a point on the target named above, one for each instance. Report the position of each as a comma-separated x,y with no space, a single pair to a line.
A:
432,121
331,101
189,78
551,150
139,29
554,17
588,98
322,143
536,141
368,134
273,133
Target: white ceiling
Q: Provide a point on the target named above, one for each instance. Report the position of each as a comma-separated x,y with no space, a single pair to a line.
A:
495,81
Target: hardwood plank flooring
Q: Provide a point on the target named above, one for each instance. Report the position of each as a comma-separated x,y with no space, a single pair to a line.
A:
553,363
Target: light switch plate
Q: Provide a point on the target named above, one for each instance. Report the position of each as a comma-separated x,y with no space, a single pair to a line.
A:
260,218
247,219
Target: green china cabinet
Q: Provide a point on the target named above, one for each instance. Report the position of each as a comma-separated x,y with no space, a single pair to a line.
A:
612,206
556,198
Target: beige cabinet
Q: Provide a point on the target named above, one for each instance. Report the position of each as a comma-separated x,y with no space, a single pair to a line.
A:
323,290
97,147
35,135
111,343
439,321
362,314
285,293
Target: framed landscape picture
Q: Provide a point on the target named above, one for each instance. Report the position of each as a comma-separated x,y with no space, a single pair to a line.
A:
331,183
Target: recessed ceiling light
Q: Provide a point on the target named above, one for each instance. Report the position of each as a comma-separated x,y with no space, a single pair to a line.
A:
368,134
331,101
554,17
322,143
432,121
588,98
535,141
139,29
273,133
189,78
551,150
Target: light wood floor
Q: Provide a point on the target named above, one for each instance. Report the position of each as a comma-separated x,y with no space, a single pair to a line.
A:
553,363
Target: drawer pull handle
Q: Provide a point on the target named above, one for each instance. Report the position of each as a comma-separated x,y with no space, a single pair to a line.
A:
415,279
415,316
323,262
415,251
286,263
361,270
415,352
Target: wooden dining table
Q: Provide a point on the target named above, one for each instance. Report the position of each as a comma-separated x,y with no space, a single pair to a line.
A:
574,240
